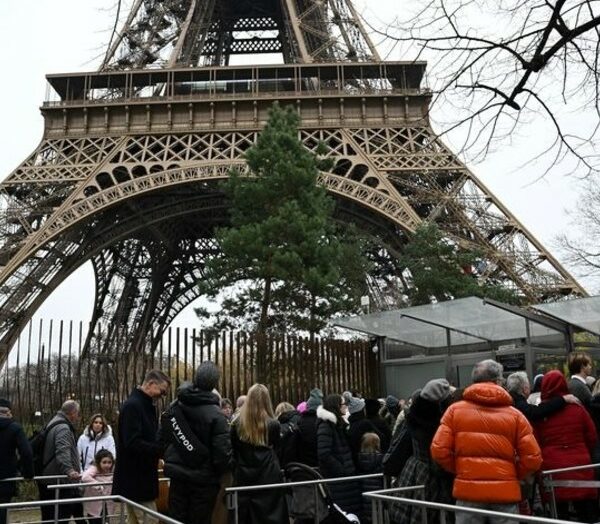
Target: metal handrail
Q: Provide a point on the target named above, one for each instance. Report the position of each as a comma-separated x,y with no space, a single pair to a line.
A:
43,477
40,477
548,483
91,484
385,495
572,468
302,483
232,492
115,498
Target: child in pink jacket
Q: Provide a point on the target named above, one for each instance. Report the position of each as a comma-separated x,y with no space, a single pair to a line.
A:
98,473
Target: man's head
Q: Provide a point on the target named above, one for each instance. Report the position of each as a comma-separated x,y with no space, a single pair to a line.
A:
518,384
580,364
5,407
156,384
487,371
71,410
207,376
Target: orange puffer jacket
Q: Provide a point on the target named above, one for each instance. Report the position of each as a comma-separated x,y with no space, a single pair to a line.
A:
488,444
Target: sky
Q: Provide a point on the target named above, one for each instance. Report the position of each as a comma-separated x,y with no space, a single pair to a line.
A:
59,36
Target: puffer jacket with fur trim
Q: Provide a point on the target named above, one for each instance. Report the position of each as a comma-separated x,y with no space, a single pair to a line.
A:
335,460
88,445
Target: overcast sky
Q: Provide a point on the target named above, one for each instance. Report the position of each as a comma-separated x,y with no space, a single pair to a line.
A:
58,36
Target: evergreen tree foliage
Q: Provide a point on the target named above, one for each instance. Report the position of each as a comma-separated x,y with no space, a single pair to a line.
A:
284,265
440,271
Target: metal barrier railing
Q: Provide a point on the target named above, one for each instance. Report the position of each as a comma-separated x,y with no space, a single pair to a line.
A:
381,498
148,514
549,483
80,485
233,498
41,477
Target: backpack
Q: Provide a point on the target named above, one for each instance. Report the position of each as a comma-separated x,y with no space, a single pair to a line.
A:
38,443
399,452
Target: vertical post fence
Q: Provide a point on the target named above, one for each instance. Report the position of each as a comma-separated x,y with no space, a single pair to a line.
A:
48,365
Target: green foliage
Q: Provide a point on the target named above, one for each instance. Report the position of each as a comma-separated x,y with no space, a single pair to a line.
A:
283,263
439,270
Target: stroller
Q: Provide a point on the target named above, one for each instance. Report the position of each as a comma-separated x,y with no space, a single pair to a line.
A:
309,505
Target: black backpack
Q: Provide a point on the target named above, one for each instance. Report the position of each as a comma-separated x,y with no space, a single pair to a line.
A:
38,442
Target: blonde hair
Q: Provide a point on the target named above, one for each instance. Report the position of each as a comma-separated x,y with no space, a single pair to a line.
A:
283,407
253,422
370,443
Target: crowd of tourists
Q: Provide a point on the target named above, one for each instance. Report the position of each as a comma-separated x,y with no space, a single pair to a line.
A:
480,447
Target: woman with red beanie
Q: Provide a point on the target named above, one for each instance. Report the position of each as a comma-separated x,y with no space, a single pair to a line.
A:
567,438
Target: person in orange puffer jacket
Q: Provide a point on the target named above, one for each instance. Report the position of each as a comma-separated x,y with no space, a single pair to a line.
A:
488,445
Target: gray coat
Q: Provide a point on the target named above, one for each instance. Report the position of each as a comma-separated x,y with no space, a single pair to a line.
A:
60,449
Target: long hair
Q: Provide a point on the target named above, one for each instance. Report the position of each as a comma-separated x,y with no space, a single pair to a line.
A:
253,422
333,403
104,425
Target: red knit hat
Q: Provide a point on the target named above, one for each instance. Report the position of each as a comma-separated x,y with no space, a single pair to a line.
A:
554,384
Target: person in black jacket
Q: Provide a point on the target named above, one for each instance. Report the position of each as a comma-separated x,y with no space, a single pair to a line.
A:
254,436
517,385
372,410
12,440
306,441
370,461
138,448
288,418
335,455
422,422
195,484
359,424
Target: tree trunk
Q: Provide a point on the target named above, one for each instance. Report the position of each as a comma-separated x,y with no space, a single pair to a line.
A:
262,374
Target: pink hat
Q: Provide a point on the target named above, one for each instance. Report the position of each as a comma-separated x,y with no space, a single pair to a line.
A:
301,408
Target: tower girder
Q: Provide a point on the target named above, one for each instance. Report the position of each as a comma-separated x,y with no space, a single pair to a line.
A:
126,172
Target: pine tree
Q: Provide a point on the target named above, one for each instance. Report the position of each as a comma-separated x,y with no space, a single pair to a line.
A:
282,258
440,270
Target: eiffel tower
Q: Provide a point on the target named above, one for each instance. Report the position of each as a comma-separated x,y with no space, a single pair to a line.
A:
126,175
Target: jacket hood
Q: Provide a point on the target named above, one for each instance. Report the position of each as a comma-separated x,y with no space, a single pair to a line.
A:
192,396
106,433
5,422
487,394
424,413
289,416
355,417
554,384
324,414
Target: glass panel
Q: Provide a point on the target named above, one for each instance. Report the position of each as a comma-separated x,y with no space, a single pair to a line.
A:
392,325
402,380
463,372
582,312
470,320
475,317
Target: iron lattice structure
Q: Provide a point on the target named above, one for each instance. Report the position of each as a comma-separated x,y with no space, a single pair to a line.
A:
126,173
